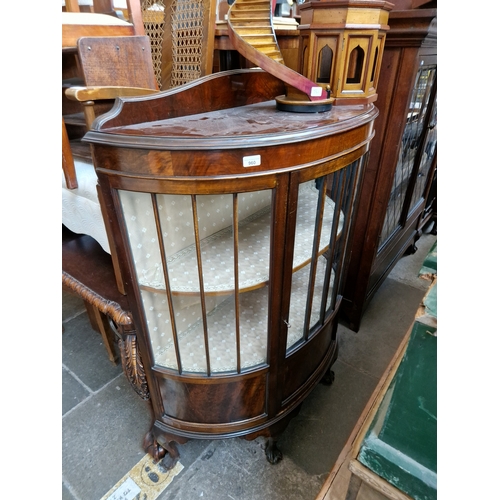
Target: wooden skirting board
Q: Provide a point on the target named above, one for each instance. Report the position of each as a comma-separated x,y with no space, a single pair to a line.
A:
347,470
337,483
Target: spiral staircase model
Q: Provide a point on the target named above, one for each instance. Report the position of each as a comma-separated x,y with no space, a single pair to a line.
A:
251,32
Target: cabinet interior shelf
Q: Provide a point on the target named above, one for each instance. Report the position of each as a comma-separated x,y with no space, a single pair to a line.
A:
217,251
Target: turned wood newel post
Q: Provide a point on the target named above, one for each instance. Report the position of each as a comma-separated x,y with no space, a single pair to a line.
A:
341,45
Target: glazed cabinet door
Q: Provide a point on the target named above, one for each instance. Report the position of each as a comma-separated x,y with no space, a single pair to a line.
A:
416,152
321,210
202,262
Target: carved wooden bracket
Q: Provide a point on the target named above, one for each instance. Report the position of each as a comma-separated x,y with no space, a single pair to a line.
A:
132,364
122,323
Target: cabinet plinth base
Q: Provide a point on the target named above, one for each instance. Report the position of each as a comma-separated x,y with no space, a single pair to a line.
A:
161,441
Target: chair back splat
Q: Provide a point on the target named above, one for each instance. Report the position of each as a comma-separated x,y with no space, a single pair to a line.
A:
117,61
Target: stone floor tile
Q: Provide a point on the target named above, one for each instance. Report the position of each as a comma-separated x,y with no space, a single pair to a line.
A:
73,392
84,354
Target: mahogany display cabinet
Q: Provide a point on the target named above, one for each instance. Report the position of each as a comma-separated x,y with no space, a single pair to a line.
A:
399,184
231,222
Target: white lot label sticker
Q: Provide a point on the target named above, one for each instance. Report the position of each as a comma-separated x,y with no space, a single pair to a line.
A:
316,91
251,161
127,491
145,481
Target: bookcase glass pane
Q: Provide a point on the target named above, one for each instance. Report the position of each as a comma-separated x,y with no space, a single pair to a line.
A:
426,158
412,138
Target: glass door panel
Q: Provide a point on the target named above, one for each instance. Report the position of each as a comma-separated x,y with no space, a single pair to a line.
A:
323,207
202,263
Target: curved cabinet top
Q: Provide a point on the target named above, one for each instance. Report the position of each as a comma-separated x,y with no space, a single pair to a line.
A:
233,110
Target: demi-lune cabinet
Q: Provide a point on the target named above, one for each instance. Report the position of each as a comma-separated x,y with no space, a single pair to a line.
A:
231,221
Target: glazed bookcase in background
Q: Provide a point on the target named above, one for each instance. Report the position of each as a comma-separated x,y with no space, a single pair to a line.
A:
399,185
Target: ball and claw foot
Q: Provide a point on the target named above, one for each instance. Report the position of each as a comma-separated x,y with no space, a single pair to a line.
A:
165,454
328,378
153,448
171,456
273,454
168,462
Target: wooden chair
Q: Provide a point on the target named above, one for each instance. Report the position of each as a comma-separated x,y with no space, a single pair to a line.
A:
181,39
102,19
182,36
111,67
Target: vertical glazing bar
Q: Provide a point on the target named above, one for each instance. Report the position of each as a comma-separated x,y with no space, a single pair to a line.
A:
337,176
321,186
338,187
168,291
424,91
339,197
200,279
353,173
236,281
429,80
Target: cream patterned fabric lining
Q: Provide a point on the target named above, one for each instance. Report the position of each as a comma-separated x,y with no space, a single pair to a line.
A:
215,226
214,216
222,326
